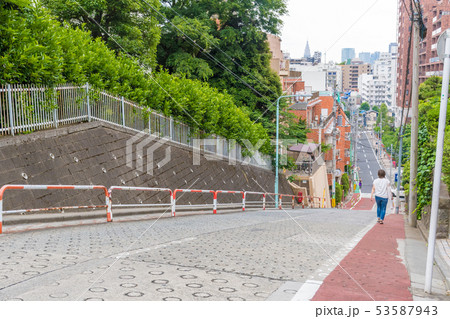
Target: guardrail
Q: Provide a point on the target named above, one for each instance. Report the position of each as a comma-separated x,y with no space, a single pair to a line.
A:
50,187
142,189
228,192
280,199
244,197
26,107
312,201
174,201
172,204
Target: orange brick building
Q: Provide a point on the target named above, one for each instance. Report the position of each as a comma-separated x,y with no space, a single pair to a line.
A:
319,117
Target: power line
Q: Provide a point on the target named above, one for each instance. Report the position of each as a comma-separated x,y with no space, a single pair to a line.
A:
226,54
406,8
211,57
132,59
408,59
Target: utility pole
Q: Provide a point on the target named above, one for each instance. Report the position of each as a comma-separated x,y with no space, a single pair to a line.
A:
445,39
399,181
381,135
412,204
333,187
390,166
356,145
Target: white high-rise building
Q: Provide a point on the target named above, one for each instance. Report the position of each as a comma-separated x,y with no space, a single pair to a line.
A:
320,77
379,87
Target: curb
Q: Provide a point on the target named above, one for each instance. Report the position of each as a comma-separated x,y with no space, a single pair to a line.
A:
441,255
442,260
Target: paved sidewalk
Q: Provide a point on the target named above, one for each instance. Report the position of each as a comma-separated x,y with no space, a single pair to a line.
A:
364,204
373,270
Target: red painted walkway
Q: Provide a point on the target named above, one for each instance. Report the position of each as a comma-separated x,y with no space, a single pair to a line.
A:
373,270
364,204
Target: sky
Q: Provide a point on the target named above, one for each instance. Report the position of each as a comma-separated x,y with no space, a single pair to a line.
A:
330,25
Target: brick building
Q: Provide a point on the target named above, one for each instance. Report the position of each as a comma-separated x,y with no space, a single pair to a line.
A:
319,117
436,17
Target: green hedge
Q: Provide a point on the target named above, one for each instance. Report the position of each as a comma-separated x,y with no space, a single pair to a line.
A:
36,49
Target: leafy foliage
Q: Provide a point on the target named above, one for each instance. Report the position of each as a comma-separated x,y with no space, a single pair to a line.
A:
338,194
130,23
35,48
345,182
365,106
225,43
429,109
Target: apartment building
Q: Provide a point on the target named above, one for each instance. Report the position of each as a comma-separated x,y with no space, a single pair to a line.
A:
319,116
436,17
379,87
278,62
351,72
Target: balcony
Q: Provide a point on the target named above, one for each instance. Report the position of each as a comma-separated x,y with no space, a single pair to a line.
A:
434,73
435,59
436,32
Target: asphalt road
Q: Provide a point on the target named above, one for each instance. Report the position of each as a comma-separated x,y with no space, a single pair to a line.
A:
256,255
367,162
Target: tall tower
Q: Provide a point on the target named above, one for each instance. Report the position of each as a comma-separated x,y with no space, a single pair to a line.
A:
307,51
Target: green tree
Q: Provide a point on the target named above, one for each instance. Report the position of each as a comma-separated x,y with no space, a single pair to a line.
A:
338,193
345,182
230,51
131,24
36,49
365,106
429,109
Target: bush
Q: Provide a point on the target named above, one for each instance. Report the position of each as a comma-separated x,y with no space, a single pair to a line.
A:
345,182
36,49
338,194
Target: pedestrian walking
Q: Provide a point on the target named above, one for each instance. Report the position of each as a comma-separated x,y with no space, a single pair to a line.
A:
360,184
381,189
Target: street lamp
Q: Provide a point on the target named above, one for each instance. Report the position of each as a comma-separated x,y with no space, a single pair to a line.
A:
277,136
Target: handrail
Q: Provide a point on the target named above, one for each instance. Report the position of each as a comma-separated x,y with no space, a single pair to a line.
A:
228,192
144,189
254,193
47,187
174,202
173,197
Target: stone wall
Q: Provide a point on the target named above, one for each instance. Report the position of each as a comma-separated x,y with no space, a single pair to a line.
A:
95,153
443,230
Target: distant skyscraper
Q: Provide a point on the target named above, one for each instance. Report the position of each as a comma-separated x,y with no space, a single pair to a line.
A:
307,51
393,48
374,56
317,57
348,53
365,57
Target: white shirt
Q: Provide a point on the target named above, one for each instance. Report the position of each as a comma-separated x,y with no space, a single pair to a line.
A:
382,187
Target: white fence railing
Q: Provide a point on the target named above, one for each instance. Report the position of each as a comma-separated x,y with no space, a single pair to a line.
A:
25,108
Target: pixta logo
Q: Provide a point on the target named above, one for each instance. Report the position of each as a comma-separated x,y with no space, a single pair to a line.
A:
143,145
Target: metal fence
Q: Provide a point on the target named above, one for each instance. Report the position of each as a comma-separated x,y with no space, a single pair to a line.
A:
26,108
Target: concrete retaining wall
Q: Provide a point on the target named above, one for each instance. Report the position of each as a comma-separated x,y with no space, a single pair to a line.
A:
443,227
95,153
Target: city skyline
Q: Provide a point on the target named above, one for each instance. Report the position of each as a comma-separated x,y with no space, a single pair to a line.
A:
358,27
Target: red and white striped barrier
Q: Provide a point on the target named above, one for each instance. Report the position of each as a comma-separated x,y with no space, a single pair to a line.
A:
139,189
280,199
244,198
50,187
312,198
174,201
228,192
